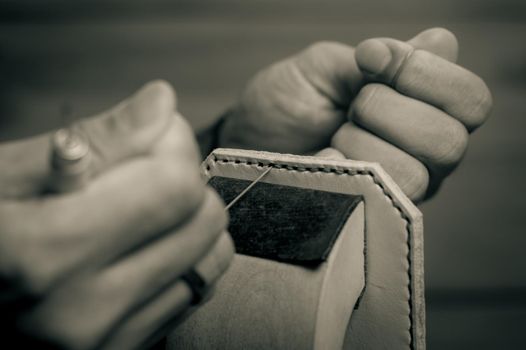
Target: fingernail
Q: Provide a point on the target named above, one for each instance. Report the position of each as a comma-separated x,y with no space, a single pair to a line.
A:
373,56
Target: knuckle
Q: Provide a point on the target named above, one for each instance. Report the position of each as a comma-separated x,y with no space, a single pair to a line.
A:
341,138
188,148
172,193
482,105
225,253
217,260
452,149
179,142
184,185
365,101
213,210
417,176
216,209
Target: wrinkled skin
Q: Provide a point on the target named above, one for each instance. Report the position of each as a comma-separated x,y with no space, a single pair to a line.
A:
406,105
100,267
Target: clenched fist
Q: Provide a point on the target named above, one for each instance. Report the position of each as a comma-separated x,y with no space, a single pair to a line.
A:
101,267
406,105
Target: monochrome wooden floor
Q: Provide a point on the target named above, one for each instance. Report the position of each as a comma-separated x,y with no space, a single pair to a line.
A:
93,53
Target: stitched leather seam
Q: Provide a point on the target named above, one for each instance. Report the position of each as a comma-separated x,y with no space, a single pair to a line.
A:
328,169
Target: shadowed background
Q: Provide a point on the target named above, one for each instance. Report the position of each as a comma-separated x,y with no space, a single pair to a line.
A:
94,53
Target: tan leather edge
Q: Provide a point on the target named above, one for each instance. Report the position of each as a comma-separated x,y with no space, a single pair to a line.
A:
399,200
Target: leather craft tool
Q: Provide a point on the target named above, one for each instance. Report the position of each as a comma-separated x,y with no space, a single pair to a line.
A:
70,171
242,193
70,161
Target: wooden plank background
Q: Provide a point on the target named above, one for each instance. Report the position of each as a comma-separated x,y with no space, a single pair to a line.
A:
94,53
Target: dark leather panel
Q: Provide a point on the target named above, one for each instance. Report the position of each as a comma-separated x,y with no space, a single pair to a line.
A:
284,223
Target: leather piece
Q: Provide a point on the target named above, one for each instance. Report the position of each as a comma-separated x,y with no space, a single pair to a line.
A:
284,223
391,313
264,304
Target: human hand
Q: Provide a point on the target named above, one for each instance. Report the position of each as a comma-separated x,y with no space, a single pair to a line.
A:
100,267
406,105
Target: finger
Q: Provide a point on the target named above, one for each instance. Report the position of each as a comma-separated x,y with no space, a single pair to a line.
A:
427,77
25,167
157,265
332,70
128,205
330,153
217,260
129,129
419,129
167,308
86,307
409,173
438,41
170,304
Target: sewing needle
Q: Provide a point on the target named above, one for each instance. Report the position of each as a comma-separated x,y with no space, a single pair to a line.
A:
238,197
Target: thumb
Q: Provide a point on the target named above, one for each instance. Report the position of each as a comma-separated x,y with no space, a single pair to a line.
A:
332,70
129,129
382,59
439,41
